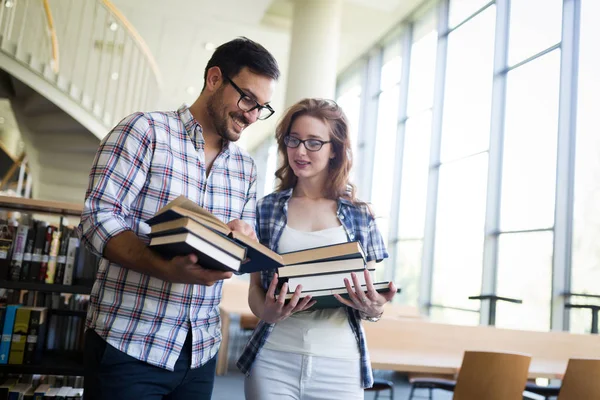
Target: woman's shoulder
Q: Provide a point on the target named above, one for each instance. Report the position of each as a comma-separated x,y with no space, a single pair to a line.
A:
360,207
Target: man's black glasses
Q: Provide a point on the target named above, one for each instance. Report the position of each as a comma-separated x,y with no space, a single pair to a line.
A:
247,103
309,144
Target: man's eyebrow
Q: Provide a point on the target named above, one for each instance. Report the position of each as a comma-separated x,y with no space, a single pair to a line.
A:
254,97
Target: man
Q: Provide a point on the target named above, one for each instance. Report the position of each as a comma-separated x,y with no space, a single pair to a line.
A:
153,326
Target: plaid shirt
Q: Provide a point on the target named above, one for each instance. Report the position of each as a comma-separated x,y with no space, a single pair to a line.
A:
147,160
359,225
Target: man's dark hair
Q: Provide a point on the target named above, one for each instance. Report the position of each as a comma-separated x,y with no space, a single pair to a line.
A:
242,52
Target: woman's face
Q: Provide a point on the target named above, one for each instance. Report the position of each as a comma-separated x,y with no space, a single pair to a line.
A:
308,164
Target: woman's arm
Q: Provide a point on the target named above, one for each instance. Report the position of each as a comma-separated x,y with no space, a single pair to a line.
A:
256,294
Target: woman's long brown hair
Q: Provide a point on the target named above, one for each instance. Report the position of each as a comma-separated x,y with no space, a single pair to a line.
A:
339,167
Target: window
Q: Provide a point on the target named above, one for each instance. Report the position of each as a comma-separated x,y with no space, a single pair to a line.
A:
459,232
530,140
535,25
468,94
586,220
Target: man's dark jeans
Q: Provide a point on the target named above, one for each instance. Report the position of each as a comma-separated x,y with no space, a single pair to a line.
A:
113,375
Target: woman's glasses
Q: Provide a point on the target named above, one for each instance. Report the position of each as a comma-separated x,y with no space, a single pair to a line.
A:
309,144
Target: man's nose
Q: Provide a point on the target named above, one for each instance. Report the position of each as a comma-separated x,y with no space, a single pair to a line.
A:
251,116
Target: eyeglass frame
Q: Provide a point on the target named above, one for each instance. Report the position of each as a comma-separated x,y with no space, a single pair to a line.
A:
257,106
303,142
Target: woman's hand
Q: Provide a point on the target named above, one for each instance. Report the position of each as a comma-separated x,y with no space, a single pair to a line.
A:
370,303
276,310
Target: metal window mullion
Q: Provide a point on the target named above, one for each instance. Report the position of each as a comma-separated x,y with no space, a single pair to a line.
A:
368,123
399,153
565,164
495,158
426,279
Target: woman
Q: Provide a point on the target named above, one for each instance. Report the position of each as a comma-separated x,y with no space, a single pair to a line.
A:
321,354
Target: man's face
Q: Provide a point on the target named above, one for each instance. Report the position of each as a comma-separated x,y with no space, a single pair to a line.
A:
228,119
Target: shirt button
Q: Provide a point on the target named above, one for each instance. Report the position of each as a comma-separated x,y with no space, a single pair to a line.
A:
341,217
351,236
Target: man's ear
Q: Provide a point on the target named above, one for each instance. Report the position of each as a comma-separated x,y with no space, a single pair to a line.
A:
214,78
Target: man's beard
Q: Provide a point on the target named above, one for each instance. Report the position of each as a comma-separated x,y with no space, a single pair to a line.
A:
214,104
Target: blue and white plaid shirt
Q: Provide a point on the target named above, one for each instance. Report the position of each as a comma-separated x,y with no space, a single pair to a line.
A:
147,160
359,224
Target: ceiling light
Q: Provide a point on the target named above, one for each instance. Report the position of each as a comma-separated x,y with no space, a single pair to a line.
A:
8,3
114,76
190,90
209,46
113,26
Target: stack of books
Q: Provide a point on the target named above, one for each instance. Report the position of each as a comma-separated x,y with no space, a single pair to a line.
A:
182,227
321,272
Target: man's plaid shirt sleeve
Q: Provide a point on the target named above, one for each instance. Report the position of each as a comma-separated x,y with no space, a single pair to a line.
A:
116,178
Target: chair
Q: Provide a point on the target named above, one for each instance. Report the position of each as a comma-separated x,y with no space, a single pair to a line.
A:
483,375
380,385
581,380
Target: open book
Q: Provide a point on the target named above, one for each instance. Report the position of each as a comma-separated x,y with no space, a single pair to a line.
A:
183,227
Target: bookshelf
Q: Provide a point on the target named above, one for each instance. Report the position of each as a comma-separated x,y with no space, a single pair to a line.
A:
53,362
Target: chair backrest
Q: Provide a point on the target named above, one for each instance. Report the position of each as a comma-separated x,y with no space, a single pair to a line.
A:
492,376
581,380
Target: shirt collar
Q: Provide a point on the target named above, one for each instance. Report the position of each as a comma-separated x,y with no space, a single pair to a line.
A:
192,127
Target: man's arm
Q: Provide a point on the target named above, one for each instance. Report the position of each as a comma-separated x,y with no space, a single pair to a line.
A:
127,250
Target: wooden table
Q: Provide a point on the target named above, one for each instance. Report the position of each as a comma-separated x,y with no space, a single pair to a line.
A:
413,345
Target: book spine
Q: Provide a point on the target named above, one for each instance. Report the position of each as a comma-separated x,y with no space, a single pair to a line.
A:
70,261
52,255
18,252
33,334
19,337
7,330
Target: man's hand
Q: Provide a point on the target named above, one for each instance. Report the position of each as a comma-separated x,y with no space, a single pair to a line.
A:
237,225
183,269
276,310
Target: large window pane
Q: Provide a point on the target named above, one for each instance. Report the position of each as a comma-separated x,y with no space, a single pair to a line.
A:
349,100
468,93
415,173
391,71
535,25
385,149
459,231
408,270
422,65
529,166
586,224
525,272
462,9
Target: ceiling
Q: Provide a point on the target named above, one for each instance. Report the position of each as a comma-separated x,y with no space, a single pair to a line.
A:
177,32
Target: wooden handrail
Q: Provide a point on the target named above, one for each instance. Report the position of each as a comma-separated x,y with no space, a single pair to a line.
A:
136,36
53,37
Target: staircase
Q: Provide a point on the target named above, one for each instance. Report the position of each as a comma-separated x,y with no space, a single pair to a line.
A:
71,70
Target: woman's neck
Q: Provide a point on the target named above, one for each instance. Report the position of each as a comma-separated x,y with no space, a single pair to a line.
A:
310,190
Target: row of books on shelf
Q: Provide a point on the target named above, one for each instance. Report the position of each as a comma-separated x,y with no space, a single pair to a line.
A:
182,227
19,389
34,250
34,327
